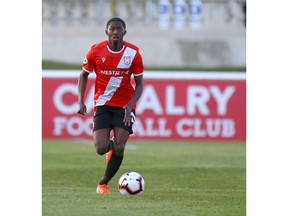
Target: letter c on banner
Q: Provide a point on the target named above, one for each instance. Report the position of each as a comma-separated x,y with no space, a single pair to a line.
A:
58,98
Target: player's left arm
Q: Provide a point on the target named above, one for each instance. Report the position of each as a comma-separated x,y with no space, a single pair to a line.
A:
137,94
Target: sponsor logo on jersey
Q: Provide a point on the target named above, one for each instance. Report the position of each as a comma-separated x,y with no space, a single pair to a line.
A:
103,59
114,72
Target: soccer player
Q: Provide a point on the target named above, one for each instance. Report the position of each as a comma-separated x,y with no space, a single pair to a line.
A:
114,61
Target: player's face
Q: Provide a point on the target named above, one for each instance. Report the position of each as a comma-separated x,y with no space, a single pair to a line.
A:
115,31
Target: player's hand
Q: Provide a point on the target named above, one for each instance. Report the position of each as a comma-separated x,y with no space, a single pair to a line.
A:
127,117
82,109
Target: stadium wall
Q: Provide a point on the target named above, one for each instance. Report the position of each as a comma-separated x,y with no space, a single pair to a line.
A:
213,37
204,106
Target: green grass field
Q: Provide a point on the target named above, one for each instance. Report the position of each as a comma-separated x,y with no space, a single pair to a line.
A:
181,178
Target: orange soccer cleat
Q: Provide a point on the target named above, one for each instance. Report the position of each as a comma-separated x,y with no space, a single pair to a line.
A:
102,189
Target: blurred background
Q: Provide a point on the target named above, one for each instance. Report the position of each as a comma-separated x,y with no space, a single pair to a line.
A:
190,33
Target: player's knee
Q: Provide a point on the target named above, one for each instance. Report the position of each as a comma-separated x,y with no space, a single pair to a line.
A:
119,150
100,149
118,153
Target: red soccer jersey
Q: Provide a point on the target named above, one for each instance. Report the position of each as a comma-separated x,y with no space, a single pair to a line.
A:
113,72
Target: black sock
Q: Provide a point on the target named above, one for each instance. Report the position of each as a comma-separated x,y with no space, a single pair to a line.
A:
112,168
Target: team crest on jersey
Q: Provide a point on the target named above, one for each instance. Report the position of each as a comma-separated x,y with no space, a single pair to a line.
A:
103,59
127,60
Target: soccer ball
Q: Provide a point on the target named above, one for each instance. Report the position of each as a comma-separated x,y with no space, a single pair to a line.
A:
131,183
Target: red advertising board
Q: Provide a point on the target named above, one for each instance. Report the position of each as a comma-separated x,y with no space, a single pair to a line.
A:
177,106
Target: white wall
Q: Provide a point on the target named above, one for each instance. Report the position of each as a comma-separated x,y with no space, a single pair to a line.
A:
219,41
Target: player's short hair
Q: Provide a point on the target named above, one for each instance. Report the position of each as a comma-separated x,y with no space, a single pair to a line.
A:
116,19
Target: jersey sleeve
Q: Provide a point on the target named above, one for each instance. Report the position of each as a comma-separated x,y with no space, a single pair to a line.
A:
138,67
88,64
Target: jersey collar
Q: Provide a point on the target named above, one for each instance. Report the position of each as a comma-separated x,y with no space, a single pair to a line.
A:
116,51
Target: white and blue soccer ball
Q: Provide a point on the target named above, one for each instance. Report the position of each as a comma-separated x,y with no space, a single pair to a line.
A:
131,183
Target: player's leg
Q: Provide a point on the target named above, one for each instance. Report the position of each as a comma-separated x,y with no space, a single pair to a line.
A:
101,134
101,140
121,136
101,129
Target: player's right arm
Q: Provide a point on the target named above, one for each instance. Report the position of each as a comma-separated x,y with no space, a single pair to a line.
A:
87,68
82,83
